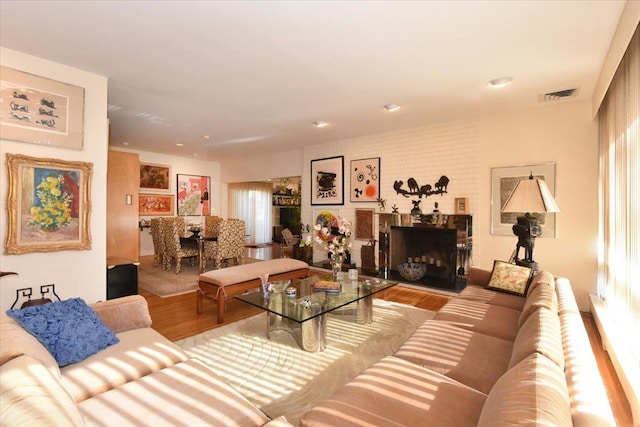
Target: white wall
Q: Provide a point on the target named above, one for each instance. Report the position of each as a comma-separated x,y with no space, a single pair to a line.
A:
187,166
75,273
465,151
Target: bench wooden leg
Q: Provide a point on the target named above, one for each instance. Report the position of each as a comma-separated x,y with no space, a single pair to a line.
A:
221,302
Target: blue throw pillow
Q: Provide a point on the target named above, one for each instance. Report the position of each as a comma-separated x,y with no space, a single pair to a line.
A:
69,329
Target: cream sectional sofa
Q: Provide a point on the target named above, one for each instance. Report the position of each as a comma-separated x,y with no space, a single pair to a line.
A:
143,380
488,359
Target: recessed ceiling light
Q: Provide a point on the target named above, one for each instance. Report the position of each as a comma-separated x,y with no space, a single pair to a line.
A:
391,107
206,136
500,82
320,124
179,144
125,143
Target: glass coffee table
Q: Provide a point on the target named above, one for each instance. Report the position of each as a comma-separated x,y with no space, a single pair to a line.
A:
304,315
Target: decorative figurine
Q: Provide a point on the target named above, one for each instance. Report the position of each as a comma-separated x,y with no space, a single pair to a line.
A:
416,207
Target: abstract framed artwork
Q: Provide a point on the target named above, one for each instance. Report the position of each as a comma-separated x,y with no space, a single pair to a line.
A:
154,177
365,180
503,182
327,181
48,205
41,111
363,227
193,195
325,218
155,204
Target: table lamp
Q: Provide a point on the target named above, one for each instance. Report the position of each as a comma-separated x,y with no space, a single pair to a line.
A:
530,195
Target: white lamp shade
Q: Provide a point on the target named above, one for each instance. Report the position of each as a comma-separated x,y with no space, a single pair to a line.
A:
531,195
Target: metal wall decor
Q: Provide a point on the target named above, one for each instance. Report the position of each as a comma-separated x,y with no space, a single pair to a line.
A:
414,189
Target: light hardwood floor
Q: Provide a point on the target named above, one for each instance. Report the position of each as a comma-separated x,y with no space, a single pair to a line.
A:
176,318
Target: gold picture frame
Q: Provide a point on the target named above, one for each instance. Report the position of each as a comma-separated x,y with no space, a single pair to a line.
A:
40,111
461,206
48,205
154,176
155,204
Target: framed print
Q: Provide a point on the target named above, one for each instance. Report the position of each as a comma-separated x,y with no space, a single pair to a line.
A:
363,227
48,205
365,180
154,177
40,111
325,218
327,181
193,195
503,182
155,204
461,205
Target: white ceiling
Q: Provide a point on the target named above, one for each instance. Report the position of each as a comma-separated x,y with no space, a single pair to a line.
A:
254,75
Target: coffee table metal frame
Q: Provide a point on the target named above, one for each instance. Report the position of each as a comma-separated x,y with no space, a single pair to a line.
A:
304,315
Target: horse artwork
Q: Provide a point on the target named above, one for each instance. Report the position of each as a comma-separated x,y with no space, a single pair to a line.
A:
425,190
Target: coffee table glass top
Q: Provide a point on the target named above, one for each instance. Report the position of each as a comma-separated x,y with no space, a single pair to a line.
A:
309,303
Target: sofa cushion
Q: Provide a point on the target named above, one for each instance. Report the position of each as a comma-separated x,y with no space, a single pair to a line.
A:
186,394
123,314
509,278
533,392
69,329
471,358
394,392
499,322
540,333
542,296
16,341
31,396
487,296
140,352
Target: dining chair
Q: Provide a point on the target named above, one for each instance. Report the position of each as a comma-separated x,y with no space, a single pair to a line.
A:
211,229
230,242
173,228
158,241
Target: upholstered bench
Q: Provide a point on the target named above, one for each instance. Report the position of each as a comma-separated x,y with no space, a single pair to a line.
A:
224,284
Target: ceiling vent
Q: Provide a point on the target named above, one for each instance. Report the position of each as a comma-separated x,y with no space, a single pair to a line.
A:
557,95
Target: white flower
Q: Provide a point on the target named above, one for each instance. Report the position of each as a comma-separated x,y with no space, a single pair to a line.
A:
335,244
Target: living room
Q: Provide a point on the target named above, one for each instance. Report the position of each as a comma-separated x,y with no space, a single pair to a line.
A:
465,149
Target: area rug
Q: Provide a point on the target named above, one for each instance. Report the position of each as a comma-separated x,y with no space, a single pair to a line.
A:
163,283
280,378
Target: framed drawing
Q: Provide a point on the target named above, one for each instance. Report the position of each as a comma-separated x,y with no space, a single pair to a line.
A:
40,111
327,181
48,205
503,181
154,177
325,219
193,195
461,205
364,224
365,180
155,204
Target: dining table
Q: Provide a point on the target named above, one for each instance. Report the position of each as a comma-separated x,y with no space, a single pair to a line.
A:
198,239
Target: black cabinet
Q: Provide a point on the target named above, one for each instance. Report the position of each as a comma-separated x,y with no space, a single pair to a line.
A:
122,278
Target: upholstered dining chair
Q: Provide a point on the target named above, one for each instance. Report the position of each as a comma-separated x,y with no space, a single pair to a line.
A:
211,229
230,242
158,241
173,228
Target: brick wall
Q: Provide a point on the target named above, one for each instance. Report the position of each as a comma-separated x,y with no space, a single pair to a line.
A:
423,153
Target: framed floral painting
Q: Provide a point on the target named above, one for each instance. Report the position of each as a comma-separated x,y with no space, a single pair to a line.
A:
155,204
48,205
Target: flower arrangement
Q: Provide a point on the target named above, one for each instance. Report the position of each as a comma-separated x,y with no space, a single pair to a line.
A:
54,210
335,240
307,241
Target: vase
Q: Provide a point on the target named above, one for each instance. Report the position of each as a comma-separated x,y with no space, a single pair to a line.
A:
336,267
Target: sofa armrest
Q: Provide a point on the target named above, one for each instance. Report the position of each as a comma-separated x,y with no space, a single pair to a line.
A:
479,276
123,314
